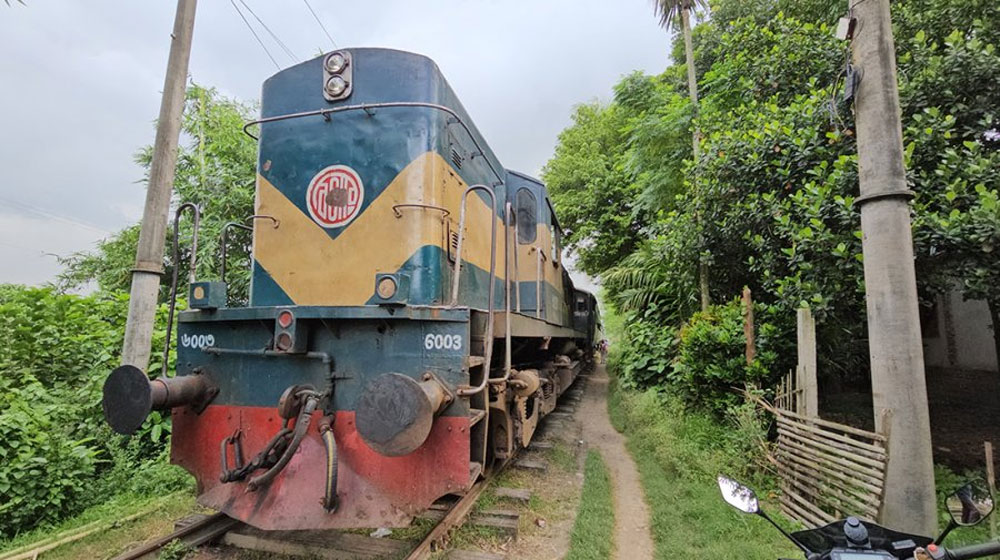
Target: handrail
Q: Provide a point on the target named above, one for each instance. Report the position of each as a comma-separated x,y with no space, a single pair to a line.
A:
230,225
367,108
395,209
517,275
538,282
457,275
506,299
225,242
196,218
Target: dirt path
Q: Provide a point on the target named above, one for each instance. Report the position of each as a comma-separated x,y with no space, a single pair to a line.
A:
632,539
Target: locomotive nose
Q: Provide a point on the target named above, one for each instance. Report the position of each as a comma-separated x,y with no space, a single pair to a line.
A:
395,412
129,396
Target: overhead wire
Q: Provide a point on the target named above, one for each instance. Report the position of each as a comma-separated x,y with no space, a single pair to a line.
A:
254,33
273,35
51,215
323,27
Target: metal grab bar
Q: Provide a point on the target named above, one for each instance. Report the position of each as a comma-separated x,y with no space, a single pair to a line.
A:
196,218
395,209
538,282
368,108
230,225
506,299
457,275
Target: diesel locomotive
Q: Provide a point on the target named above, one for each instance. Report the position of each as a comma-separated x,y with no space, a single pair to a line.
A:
410,317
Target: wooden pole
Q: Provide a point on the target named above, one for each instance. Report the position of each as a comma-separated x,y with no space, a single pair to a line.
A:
152,235
895,345
806,371
748,331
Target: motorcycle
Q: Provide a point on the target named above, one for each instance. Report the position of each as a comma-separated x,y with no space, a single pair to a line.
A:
852,539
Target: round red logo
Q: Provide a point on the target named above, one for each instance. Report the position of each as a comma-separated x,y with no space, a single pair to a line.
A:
334,196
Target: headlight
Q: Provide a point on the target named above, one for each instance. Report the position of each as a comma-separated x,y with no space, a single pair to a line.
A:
336,86
335,63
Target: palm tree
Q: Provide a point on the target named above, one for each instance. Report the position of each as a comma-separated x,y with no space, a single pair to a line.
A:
667,11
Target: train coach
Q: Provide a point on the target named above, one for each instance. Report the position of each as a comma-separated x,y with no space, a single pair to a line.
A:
410,318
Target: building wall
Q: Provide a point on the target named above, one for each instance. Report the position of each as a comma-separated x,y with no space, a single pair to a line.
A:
958,334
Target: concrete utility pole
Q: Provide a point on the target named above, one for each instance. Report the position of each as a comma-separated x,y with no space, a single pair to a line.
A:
895,344
149,254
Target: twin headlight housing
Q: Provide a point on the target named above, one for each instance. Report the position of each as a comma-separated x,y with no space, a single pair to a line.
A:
338,73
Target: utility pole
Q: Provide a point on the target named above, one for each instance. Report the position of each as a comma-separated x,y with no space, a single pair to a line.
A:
895,345
149,254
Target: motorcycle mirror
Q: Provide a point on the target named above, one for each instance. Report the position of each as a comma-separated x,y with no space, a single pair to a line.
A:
738,496
970,504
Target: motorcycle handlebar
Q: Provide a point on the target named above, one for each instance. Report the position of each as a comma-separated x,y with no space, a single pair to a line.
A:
974,551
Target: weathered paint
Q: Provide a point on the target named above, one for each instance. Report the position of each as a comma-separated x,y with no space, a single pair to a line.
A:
374,491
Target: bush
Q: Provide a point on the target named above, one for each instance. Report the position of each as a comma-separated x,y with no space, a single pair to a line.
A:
43,471
57,456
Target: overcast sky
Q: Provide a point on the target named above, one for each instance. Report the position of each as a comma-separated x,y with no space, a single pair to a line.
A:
80,87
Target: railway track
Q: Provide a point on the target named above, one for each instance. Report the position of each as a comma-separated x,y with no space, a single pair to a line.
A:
213,527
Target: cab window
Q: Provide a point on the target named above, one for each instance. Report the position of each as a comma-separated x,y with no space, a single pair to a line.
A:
527,216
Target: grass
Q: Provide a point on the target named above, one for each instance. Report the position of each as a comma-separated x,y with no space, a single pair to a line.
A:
592,537
678,456
119,535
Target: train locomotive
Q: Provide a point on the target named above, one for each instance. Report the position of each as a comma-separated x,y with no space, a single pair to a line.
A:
410,318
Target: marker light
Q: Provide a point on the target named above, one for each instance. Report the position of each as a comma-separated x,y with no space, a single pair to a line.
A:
386,287
284,342
335,63
285,319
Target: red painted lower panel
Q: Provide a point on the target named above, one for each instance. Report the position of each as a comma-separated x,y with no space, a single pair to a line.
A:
374,491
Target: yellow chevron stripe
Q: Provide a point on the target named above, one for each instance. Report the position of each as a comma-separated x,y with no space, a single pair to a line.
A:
314,269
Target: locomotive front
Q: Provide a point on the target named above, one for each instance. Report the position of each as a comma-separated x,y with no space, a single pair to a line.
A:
345,394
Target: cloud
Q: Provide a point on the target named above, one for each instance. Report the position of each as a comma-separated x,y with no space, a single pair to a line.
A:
83,81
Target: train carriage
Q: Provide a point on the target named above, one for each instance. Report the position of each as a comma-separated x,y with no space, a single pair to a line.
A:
410,317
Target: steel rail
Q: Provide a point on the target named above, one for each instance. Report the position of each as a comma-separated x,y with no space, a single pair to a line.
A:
369,108
198,533
455,517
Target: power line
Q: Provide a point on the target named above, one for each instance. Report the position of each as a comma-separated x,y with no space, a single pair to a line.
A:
48,214
254,33
323,27
271,33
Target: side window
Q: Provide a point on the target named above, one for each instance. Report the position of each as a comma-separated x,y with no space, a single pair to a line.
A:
527,216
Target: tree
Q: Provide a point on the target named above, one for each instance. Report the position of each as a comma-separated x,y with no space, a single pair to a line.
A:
215,170
667,11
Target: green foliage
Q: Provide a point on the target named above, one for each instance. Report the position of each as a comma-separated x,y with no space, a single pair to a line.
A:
593,531
771,199
44,471
56,454
216,171
586,179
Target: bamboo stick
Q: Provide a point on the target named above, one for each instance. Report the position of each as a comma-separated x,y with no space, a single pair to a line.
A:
860,498
877,448
847,454
991,480
820,437
874,475
836,426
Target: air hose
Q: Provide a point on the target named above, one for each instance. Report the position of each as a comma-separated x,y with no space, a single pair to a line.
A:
330,502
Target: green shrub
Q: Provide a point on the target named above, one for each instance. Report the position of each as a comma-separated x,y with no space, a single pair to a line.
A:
57,456
43,470
711,368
